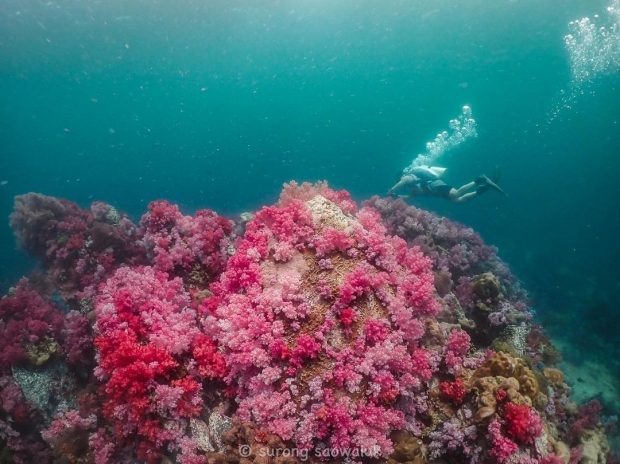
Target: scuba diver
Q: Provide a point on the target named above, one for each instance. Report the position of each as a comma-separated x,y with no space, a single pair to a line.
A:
425,180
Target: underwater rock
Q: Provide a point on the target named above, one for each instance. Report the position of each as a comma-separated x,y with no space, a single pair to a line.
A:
218,425
201,434
247,443
45,387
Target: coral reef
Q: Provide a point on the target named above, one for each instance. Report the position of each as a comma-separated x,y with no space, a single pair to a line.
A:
311,330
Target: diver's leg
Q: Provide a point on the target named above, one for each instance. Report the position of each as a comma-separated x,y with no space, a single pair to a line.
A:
465,188
455,198
456,195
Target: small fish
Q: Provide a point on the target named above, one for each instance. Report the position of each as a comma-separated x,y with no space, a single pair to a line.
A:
4,182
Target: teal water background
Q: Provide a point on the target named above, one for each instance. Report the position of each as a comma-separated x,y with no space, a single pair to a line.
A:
218,103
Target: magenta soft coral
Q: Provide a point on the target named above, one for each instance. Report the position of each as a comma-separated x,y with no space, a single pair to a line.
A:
77,339
332,240
26,320
63,421
587,418
16,426
181,244
78,249
291,227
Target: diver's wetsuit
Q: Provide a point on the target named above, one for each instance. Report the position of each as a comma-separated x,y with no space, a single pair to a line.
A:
436,188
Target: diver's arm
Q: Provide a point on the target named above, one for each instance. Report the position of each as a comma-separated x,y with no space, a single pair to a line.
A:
407,179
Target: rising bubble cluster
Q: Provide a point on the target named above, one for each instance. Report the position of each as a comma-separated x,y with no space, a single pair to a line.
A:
460,129
594,48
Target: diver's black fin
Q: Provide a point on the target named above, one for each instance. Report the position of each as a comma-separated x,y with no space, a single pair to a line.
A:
484,181
494,186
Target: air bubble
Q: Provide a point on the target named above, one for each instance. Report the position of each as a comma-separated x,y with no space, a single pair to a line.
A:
594,49
461,129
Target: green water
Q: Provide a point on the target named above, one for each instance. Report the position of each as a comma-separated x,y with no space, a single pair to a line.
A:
217,104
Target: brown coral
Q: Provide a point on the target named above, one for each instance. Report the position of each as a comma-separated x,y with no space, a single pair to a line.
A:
39,353
486,286
407,449
504,365
555,376
503,372
487,388
72,447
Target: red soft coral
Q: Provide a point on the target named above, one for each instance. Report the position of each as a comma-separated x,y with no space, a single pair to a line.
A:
522,422
152,359
211,364
453,391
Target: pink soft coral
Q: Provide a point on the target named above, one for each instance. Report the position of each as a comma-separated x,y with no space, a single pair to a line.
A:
350,331
456,349
502,447
307,191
